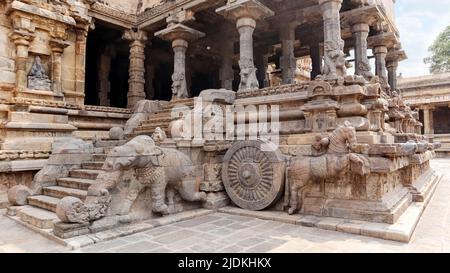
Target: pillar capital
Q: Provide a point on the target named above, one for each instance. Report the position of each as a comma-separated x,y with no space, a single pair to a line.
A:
22,38
134,35
235,9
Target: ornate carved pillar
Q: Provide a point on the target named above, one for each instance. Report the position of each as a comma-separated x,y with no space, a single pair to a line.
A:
393,57
380,44
179,67
22,41
245,13
334,57
360,33
57,47
80,58
136,81
179,35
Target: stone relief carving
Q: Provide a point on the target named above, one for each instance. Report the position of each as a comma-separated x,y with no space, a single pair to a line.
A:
161,170
338,159
38,78
159,135
249,81
334,60
179,86
253,177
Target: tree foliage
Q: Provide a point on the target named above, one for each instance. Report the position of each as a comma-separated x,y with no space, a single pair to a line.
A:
440,53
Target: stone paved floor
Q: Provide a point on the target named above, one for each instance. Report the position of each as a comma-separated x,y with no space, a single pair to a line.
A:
229,233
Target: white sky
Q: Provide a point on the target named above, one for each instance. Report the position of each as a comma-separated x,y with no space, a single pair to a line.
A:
419,23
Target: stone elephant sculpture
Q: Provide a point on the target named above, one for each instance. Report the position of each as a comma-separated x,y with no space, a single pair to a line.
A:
155,168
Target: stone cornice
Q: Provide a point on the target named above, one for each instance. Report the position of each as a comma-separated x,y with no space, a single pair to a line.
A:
115,16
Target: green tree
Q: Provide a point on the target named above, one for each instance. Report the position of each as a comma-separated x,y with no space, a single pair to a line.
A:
440,53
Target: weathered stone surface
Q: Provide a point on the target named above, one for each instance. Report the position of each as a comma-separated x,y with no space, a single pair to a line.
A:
116,133
18,195
253,177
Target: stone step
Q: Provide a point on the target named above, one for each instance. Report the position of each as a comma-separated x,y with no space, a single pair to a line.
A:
85,174
99,157
61,192
75,183
44,202
94,165
37,217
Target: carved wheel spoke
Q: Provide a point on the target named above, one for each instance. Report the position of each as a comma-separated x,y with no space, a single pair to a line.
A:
253,178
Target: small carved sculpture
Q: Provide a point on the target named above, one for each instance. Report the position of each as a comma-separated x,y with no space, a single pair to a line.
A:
334,60
179,88
248,76
37,78
159,135
338,159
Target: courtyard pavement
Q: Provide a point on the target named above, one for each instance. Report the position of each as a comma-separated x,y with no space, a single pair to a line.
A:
221,232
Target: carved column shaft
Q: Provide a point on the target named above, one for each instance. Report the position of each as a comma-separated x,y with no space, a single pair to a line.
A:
380,52
80,60
333,44
57,70
137,66
428,121
104,85
360,33
22,42
392,74
288,61
246,27
179,65
226,70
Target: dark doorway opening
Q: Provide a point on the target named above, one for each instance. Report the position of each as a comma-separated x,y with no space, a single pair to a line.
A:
107,63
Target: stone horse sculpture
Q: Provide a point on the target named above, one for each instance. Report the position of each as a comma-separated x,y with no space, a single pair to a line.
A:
335,157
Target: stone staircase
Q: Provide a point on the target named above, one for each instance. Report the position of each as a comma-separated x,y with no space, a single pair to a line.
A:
40,211
161,119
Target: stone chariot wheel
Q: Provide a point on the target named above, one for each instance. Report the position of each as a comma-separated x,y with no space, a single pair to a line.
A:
253,177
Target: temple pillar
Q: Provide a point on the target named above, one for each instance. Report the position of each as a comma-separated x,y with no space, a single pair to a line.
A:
316,54
57,48
245,13
392,74
428,120
288,60
179,35
334,57
80,59
103,84
22,42
393,57
136,80
360,32
380,53
226,66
